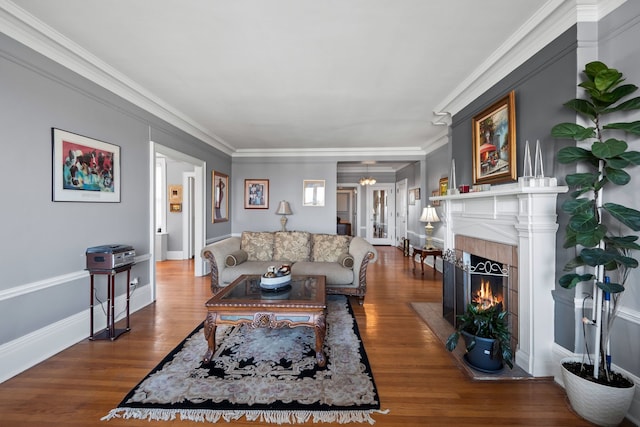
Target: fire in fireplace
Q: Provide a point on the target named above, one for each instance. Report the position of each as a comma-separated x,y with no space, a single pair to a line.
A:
472,279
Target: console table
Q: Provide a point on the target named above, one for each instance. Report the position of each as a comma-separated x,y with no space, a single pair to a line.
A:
110,332
424,253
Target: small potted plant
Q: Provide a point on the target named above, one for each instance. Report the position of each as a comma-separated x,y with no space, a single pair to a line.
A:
486,333
601,233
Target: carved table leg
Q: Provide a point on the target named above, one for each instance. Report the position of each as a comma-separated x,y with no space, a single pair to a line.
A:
320,329
210,336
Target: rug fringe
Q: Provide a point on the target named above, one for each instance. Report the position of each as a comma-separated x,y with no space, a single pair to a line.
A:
270,417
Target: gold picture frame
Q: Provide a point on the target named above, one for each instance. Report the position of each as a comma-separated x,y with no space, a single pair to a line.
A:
219,197
444,186
494,142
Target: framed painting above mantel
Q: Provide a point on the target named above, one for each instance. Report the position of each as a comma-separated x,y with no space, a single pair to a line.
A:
494,142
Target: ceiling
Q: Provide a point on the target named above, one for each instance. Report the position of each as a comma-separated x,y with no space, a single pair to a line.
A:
358,77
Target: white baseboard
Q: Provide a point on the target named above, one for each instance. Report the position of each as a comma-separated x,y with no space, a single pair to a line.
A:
27,351
174,255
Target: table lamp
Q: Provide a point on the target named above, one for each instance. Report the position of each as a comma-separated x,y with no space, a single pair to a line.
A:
284,209
429,215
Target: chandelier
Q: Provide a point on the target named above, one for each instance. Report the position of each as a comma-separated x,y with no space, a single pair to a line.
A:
367,180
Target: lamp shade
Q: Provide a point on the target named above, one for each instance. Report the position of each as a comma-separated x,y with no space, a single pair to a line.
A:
429,214
284,208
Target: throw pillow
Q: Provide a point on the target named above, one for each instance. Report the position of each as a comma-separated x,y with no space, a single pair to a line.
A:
329,247
235,258
258,245
346,260
292,246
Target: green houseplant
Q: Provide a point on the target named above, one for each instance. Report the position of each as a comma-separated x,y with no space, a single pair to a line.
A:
600,231
482,326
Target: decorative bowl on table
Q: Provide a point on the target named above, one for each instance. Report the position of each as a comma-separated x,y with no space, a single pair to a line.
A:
276,279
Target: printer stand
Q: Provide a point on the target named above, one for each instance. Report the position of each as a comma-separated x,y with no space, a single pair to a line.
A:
110,332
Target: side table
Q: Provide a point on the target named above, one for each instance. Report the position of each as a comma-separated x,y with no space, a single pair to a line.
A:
424,253
110,332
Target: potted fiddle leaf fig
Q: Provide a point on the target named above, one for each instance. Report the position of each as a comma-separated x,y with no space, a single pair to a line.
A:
602,233
486,334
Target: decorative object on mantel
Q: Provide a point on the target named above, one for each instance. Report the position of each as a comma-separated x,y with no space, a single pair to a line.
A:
444,186
603,252
284,209
429,215
534,177
453,188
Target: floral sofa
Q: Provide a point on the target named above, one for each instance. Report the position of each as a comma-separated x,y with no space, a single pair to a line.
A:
343,260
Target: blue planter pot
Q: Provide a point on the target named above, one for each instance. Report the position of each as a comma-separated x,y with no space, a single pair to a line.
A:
480,355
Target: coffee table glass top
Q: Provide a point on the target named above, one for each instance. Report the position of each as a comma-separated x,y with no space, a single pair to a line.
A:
305,289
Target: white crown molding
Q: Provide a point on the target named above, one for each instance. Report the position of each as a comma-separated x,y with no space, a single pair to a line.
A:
373,153
35,34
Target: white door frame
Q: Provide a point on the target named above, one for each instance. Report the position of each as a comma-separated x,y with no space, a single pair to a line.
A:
402,210
391,227
188,232
198,203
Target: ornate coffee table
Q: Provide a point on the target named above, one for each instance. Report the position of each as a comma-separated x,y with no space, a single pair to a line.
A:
303,303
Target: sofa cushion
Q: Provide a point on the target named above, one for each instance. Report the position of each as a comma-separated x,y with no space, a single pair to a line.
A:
329,247
235,258
292,246
335,273
258,245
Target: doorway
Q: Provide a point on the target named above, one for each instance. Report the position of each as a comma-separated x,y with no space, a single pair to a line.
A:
381,214
196,205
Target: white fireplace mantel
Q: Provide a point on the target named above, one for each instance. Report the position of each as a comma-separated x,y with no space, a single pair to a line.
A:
523,216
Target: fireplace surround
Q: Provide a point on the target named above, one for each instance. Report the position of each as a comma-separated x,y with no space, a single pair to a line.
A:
515,225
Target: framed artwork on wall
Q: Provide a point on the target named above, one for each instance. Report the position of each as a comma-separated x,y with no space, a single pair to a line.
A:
494,142
256,194
444,186
175,193
219,197
84,169
435,193
175,207
313,192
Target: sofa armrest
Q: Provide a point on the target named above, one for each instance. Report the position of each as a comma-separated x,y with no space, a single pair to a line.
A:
216,253
363,253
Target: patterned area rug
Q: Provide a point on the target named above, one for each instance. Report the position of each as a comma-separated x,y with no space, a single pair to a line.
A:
264,375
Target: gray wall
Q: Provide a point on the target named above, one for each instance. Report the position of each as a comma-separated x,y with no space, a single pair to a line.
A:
42,257
285,177
618,47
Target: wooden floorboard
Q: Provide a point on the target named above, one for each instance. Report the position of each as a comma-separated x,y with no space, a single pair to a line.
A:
417,379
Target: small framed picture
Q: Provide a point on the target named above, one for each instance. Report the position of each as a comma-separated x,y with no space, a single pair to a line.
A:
175,207
256,194
435,193
313,192
444,186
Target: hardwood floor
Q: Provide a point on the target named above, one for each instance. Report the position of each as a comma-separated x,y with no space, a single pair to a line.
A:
417,379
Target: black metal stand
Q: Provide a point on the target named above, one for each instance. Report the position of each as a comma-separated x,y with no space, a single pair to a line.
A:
110,332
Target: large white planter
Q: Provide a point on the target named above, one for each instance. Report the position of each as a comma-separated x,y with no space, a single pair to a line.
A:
602,405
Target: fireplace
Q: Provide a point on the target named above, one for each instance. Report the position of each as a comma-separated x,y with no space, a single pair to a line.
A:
471,278
515,227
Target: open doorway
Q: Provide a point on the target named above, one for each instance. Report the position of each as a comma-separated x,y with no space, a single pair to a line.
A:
347,210
196,185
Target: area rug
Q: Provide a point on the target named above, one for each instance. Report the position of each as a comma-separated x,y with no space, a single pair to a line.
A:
264,375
